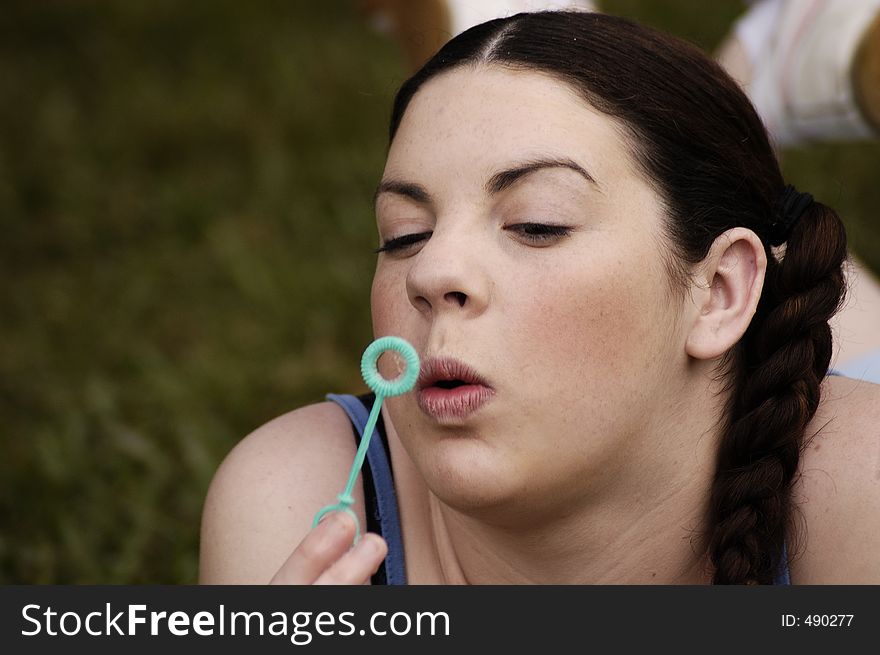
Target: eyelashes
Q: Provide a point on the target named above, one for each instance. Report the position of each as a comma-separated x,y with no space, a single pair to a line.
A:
539,233
535,234
400,243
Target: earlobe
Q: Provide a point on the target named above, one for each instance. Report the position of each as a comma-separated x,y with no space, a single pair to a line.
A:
732,276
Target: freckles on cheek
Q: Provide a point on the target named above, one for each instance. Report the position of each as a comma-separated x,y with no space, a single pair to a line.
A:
388,304
596,326
380,307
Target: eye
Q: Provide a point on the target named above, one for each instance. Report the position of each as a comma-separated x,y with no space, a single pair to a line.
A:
540,234
401,243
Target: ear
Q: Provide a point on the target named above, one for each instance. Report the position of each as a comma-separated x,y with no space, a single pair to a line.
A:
729,284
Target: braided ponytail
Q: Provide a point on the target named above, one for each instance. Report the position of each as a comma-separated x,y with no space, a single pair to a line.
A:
783,358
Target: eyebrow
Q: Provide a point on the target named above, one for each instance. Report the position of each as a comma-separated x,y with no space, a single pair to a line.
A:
496,184
407,189
506,178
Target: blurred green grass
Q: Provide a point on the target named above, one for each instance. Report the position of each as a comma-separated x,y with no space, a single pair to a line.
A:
185,208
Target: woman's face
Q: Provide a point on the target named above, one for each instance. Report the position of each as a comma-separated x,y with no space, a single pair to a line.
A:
532,255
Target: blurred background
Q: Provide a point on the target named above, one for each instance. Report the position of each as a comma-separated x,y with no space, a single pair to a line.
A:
185,252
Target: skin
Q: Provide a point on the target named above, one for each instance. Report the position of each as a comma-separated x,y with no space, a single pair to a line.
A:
594,459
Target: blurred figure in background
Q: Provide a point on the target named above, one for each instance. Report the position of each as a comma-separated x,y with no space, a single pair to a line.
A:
810,67
421,27
812,70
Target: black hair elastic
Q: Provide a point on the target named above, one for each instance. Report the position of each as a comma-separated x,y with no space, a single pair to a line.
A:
790,206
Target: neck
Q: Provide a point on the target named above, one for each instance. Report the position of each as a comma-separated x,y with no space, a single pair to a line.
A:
656,542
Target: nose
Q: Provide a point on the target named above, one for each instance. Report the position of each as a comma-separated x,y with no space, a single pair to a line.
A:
448,275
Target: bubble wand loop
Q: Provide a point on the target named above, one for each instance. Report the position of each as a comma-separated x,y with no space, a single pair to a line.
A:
383,389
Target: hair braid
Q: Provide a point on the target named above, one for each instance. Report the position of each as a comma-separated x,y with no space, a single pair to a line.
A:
783,358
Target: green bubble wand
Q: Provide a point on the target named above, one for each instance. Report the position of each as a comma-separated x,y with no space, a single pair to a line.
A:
383,389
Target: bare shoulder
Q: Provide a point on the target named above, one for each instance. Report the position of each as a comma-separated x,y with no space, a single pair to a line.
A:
838,491
262,499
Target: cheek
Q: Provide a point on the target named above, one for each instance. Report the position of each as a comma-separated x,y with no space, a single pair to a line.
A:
386,298
588,325
385,307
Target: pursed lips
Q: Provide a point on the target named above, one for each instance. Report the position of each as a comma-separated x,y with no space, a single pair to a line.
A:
449,389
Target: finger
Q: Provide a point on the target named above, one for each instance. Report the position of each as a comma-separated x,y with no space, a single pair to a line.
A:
358,564
318,550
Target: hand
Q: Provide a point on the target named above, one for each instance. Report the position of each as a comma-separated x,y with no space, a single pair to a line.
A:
325,555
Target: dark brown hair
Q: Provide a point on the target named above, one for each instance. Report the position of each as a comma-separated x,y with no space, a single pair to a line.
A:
699,141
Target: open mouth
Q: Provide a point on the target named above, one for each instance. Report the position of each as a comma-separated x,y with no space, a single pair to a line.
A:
447,373
449,390
449,384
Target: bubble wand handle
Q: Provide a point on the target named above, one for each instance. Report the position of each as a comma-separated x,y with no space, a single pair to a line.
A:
365,443
383,389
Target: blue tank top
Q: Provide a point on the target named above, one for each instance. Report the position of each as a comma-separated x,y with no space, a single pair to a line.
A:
380,498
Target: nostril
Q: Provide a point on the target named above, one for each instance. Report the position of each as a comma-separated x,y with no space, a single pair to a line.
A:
457,296
421,303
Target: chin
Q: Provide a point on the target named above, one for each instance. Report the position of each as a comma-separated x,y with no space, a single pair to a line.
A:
471,478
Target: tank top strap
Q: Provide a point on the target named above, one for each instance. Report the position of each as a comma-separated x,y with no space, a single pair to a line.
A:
380,477
783,575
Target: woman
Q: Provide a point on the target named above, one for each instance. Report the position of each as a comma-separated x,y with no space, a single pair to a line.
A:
624,380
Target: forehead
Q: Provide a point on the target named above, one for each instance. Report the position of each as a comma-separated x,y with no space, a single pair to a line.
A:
476,118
